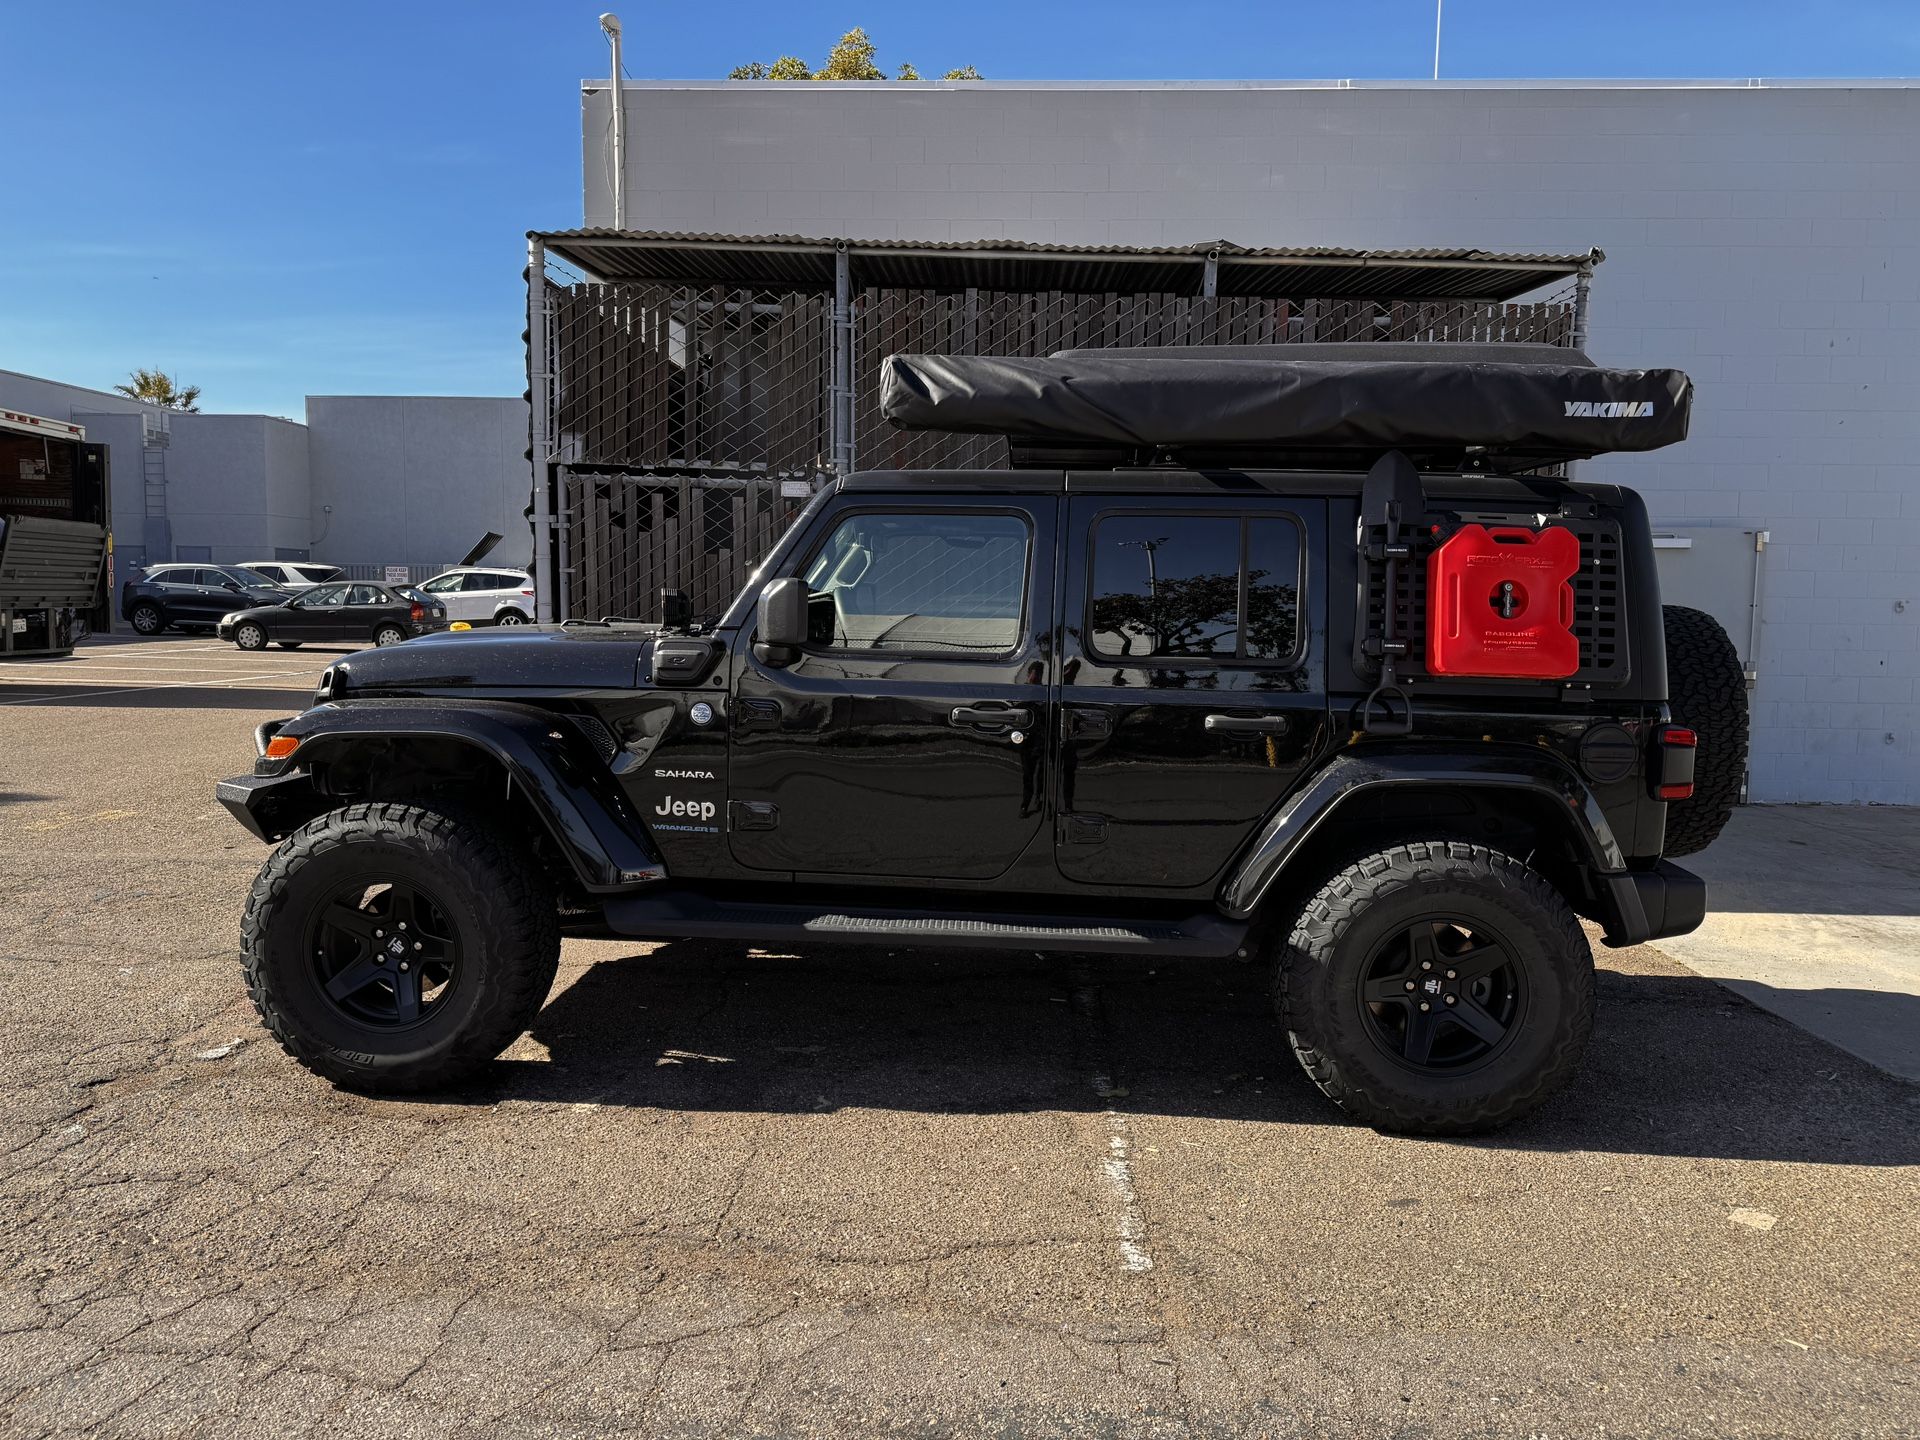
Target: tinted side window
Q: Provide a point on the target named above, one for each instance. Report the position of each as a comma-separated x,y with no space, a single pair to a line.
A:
477,582
927,582
1272,626
1210,587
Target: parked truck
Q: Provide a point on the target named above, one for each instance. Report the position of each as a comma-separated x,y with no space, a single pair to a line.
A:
56,540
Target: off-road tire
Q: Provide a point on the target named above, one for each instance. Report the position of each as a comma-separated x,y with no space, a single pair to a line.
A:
147,619
250,636
491,889
389,635
1707,693
1317,974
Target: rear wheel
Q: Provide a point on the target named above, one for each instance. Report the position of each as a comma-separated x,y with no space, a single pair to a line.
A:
389,635
395,948
146,619
1707,693
250,636
1437,988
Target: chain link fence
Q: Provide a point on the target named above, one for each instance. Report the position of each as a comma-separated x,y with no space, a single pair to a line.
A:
687,422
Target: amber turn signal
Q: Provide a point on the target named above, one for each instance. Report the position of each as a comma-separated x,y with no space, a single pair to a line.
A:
281,746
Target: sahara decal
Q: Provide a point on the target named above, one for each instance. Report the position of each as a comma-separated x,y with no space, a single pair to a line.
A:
683,775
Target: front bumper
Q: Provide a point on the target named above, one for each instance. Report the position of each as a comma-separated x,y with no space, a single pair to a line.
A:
271,807
1654,904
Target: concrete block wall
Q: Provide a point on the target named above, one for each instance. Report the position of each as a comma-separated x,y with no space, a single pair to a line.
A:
1766,239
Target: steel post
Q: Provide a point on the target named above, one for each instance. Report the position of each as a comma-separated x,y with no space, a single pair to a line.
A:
842,407
539,443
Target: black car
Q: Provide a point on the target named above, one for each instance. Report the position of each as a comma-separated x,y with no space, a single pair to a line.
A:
357,610
193,597
1296,660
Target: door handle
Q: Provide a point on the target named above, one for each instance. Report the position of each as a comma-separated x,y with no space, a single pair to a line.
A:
1247,724
983,717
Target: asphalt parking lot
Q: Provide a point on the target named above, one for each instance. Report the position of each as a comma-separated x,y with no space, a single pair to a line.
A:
724,1192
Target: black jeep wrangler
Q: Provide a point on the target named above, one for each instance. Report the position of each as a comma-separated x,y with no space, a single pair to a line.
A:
1301,654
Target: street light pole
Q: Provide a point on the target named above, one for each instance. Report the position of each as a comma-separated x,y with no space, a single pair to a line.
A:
1437,5
610,23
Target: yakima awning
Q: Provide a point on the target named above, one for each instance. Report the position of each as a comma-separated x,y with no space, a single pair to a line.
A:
1523,403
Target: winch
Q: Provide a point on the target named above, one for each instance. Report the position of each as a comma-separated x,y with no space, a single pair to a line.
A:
1500,603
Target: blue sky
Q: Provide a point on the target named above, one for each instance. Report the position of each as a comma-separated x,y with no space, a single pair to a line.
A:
274,202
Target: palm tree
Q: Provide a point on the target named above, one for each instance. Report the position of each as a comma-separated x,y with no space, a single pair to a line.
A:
156,387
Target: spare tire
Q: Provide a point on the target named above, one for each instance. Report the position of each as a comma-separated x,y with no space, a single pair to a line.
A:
1707,693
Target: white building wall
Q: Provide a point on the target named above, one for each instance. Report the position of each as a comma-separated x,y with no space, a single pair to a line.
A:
1767,240
411,480
418,480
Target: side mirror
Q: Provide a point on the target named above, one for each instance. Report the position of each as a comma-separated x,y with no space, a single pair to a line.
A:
781,621
232,585
676,610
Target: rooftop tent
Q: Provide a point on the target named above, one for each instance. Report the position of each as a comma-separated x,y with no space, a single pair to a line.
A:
1512,404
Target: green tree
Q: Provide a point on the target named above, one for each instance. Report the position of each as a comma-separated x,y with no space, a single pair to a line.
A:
851,59
156,387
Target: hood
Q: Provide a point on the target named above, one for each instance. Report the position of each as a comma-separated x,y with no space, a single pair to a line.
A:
586,658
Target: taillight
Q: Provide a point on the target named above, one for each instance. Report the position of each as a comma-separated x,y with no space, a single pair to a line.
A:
417,611
1677,747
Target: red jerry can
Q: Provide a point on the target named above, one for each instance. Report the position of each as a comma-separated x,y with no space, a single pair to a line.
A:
1499,603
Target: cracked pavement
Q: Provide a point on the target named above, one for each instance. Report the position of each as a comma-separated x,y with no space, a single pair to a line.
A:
722,1192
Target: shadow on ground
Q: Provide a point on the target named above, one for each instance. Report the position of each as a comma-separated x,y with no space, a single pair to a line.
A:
93,696
1678,1065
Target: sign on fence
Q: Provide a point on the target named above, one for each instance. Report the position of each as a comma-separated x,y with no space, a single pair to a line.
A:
398,575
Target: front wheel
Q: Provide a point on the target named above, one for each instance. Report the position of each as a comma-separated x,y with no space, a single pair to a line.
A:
249,636
389,635
393,948
1437,988
511,617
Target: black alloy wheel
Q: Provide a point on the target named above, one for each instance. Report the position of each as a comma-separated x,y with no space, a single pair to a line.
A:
1443,995
385,955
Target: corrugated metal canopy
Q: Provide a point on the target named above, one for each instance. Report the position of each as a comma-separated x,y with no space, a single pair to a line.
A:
802,263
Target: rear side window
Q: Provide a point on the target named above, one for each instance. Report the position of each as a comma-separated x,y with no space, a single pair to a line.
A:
1218,588
921,582
367,595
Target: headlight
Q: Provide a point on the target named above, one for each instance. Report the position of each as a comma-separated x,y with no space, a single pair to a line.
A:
230,618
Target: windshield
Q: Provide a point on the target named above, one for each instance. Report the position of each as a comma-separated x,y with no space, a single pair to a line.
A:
251,577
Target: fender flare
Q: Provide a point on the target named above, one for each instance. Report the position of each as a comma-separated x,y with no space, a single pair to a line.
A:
1360,770
590,820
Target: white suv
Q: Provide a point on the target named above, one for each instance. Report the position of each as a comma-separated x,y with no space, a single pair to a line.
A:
481,596
297,575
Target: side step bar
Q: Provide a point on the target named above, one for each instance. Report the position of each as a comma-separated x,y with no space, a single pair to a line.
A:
685,916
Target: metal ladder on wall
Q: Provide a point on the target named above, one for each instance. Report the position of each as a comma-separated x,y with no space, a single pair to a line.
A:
157,530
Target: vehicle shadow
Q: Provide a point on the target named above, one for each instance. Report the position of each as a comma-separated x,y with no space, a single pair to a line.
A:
1679,1066
91,695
